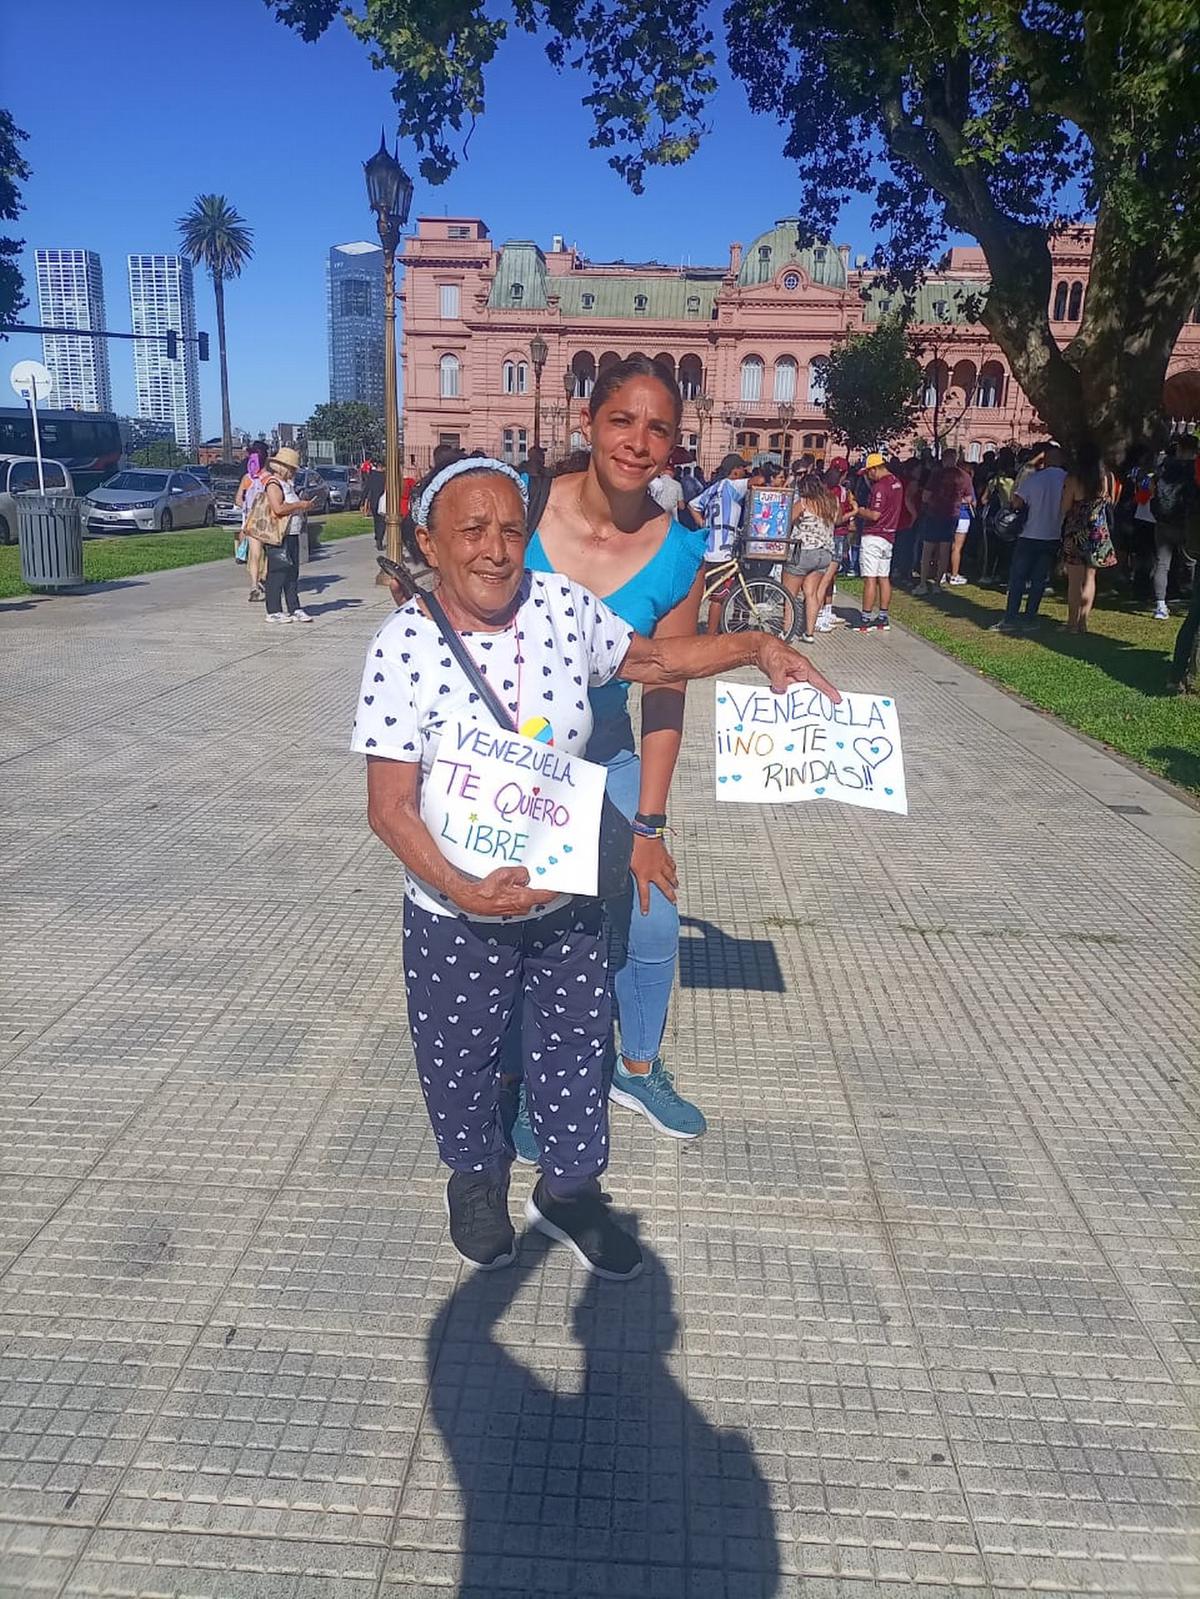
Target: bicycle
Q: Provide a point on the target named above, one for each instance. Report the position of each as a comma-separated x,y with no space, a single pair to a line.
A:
751,602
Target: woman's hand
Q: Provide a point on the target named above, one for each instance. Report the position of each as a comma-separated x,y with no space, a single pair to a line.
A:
652,863
782,666
504,892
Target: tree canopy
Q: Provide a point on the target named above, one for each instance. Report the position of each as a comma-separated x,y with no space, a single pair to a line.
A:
13,172
872,387
1009,120
355,429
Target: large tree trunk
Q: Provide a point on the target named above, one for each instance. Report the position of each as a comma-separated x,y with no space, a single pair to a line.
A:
226,428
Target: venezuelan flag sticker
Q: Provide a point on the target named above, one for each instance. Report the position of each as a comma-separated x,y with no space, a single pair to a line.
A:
537,727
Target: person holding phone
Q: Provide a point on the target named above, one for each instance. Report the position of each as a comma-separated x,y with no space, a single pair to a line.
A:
283,560
478,951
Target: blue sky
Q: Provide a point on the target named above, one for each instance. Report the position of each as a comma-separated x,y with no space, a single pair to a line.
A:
142,104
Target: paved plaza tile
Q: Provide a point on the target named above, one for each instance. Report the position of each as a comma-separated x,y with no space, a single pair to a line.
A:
922,1311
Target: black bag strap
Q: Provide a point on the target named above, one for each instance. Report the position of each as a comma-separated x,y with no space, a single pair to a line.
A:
462,655
539,496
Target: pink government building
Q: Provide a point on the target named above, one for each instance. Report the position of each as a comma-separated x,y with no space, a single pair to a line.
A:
744,340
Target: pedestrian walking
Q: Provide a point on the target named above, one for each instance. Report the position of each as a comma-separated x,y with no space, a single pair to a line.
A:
1087,503
477,950
881,516
247,492
814,517
283,559
1041,499
604,527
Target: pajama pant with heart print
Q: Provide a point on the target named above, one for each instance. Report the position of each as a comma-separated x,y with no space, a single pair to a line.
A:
464,981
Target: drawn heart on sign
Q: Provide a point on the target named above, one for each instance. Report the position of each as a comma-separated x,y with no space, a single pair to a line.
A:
872,752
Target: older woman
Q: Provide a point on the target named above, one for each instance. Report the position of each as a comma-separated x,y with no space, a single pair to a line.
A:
475,949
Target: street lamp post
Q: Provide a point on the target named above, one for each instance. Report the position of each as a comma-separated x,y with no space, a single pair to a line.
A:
569,391
538,351
787,415
704,409
389,192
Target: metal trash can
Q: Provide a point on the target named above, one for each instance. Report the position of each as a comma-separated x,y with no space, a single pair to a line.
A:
50,533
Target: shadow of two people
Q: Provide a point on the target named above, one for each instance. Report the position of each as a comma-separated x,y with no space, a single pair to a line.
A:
591,1484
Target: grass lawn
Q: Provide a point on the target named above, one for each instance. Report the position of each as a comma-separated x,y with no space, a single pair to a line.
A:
134,553
1110,684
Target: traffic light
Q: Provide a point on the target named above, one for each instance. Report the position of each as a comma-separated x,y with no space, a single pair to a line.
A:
172,345
202,343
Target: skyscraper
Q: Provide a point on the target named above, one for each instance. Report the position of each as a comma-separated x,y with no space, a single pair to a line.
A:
354,285
70,285
161,299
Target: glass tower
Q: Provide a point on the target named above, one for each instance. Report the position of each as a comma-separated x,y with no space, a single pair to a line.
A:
70,286
354,297
161,298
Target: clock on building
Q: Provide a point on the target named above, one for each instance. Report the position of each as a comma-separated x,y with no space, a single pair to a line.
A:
791,280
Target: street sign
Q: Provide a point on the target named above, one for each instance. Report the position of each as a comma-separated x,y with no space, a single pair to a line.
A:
31,380
321,452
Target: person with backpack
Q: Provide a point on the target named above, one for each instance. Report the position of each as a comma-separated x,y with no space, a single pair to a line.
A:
1174,507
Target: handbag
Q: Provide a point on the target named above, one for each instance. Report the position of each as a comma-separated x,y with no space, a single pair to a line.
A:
616,833
262,523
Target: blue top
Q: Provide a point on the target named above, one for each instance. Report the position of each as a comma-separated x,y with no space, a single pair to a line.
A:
642,602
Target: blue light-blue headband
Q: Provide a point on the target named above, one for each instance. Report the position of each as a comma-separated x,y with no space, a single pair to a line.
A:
471,463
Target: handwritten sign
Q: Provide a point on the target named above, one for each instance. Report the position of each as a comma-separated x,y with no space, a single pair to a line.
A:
494,798
767,522
775,748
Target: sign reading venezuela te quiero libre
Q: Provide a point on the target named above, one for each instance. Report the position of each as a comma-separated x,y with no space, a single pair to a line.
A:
773,748
494,798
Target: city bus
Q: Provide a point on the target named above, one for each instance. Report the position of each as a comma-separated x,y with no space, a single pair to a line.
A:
88,443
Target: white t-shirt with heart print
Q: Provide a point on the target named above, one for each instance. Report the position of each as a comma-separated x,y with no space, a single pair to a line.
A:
561,642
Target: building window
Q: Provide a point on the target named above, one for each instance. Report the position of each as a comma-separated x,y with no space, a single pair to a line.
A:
513,445
587,301
449,372
816,381
640,302
516,377
990,392
785,380
1075,303
517,293
752,380
693,305
691,377
583,365
1060,303
941,310
747,441
456,230
356,297
448,302
884,307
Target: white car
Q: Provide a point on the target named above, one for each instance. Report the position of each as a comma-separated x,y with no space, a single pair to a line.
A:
143,501
19,475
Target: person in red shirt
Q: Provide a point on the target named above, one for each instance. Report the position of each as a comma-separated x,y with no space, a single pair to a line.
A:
948,490
881,517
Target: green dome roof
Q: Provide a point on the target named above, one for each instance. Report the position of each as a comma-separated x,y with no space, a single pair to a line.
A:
773,251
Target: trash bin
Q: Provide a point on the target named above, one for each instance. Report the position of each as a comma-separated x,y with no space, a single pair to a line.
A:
50,533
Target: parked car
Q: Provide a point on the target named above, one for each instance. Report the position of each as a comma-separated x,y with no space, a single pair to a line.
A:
19,475
310,485
226,479
204,473
345,487
142,501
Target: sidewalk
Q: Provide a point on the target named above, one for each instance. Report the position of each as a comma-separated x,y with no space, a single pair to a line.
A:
923,1309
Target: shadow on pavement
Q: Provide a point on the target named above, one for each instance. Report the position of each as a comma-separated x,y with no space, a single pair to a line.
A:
578,1487
318,585
722,960
332,605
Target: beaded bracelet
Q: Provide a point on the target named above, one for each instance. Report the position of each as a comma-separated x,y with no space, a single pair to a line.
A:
642,831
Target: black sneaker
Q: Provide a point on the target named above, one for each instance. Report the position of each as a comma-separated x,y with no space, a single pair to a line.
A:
480,1228
585,1225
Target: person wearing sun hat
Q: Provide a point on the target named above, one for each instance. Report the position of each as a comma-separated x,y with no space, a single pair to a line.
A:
882,517
283,560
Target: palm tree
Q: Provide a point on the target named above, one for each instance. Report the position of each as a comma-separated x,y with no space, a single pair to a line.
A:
215,236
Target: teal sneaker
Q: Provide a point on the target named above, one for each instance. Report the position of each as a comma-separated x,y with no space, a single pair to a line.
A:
522,1132
653,1093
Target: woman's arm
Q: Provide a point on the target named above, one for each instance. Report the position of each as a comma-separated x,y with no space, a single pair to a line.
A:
655,662
285,507
241,492
662,734
394,814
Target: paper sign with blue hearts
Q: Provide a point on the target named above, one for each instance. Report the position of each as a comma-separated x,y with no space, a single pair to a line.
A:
494,798
772,749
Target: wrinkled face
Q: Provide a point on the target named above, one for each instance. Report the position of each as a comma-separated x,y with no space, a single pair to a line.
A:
631,434
476,543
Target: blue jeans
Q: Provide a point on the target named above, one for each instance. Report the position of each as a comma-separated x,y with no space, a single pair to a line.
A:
1032,562
642,949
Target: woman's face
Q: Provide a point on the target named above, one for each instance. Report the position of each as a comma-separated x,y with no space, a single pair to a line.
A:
631,434
477,545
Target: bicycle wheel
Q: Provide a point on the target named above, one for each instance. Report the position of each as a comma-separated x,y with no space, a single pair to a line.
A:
760,604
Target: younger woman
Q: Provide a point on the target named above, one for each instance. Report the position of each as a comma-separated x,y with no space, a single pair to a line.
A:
247,492
814,517
1087,505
